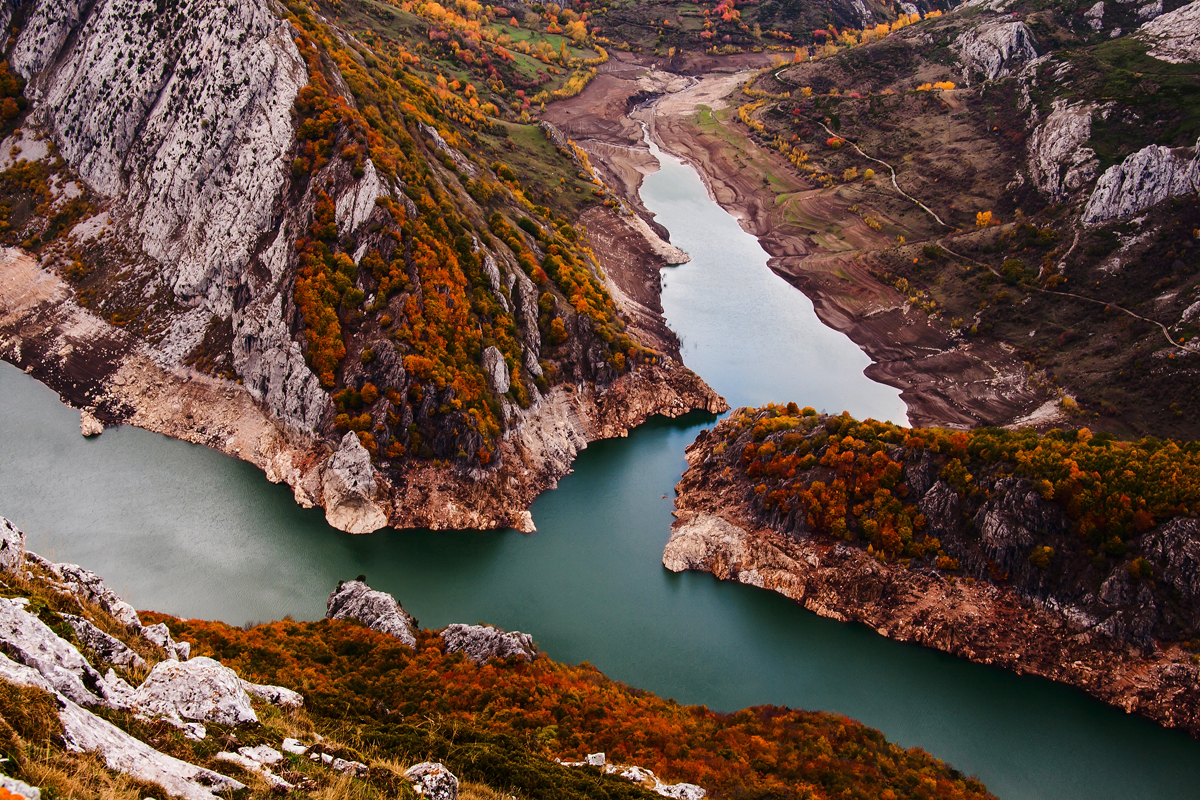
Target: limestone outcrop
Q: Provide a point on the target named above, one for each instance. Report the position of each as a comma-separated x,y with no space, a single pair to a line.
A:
482,642
994,48
106,648
1060,162
1174,37
379,611
349,489
199,690
1142,180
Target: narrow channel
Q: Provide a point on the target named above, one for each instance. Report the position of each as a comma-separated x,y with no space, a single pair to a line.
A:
182,529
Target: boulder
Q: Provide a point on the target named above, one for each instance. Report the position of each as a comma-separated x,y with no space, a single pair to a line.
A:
275,695
108,649
199,690
84,732
349,489
160,635
12,547
89,587
496,369
681,791
1059,160
379,611
32,643
89,425
482,642
20,788
433,781
596,759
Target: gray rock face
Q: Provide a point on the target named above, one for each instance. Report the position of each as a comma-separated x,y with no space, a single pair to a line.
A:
433,780
107,648
461,163
1174,37
199,690
12,546
1095,16
994,48
355,207
941,507
497,370
272,365
1174,548
379,611
1010,525
349,489
188,121
31,642
482,642
1059,160
1142,180
84,732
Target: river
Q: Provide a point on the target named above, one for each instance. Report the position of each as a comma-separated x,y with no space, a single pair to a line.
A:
186,530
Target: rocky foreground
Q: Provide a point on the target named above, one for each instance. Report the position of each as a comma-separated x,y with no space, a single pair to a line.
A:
987,569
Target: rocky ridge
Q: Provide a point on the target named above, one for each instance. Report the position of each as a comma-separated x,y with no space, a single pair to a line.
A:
990,601
183,148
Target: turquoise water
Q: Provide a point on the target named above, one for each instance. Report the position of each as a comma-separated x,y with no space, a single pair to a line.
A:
182,529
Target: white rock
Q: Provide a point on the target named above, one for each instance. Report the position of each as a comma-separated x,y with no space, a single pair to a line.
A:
460,161
12,547
595,759
160,635
1175,37
379,611
272,364
199,690
1059,160
188,122
89,587
496,369
432,780
482,642
349,488
89,425
356,206
20,788
994,48
263,754
1095,16
1142,180
681,791
275,695
294,746
107,648
31,642
84,732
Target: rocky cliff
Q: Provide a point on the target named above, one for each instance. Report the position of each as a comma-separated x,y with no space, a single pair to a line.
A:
253,231
860,523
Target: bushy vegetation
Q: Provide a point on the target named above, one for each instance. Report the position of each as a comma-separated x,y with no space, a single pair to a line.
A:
502,722
847,479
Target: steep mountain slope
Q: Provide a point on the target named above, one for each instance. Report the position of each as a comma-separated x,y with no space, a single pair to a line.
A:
299,236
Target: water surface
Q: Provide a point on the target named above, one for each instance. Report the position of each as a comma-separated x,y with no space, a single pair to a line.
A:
182,529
